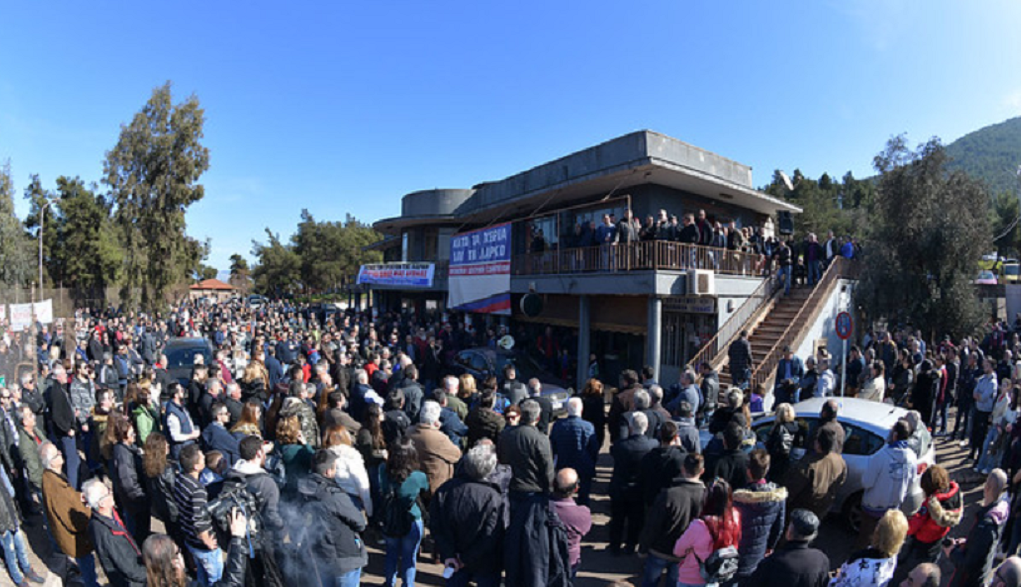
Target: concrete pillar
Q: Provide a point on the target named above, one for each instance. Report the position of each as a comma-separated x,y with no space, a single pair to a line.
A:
652,337
584,334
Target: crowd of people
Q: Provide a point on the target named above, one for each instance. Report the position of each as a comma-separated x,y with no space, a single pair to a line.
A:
303,436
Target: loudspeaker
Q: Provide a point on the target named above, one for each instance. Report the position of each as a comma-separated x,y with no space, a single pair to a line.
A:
785,222
531,305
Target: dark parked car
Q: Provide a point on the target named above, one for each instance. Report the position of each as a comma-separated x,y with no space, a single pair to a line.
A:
181,353
485,362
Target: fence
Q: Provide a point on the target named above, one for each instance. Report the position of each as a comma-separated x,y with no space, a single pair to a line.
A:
737,322
648,255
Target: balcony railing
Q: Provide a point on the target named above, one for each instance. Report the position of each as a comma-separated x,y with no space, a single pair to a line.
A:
640,256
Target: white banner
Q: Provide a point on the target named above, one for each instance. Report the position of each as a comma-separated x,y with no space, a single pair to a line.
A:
21,317
21,314
3,313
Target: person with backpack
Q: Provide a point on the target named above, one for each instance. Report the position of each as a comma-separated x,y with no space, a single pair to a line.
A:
249,475
780,442
400,486
331,525
708,548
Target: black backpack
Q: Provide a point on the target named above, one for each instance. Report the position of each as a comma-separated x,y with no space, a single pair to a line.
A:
394,514
235,495
782,442
720,566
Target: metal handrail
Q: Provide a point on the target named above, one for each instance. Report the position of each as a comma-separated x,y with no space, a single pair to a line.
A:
636,256
793,334
763,294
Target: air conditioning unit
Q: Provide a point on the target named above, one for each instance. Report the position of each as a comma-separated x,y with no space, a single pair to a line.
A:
701,283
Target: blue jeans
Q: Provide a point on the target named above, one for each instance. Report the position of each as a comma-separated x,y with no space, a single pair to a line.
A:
785,275
87,567
405,551
462,577
653,572
814,272
989,458
208,565
349,579
72,462
15,555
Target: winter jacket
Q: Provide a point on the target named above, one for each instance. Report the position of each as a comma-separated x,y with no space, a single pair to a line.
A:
731,465
696,544
436,454
529,455
815,481
890,474
67,515
145,421
352,476
577,520
974,559
627,457
28,451
794,565
335,526
514,391
161,494
118,553
83,398
61,412
659,469
762,507
127,486
216,437
669,516
536,546
265,490
938,514
573,442
467,522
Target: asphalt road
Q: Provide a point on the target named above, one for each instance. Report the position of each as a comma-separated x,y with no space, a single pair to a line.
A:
597,565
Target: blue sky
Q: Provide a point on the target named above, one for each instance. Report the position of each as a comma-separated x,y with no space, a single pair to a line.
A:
343,107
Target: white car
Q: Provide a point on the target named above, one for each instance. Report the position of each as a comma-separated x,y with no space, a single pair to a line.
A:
867,425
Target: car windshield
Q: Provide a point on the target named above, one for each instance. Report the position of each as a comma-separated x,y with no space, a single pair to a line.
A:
185,356
1012,270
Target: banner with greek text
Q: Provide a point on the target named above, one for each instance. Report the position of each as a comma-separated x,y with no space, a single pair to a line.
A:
399,274
480,270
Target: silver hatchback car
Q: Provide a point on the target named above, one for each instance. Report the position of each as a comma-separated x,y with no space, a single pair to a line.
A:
867,425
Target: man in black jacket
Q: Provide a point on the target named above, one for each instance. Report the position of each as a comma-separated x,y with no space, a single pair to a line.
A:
116,549
514,390
626,506
668,517
740,356
335,524
467,521
528,452
62,417
732,463
795,564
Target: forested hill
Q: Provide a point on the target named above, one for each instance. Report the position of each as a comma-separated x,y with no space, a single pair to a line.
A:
991,154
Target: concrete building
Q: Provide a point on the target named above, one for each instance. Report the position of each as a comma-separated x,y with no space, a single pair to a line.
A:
629,304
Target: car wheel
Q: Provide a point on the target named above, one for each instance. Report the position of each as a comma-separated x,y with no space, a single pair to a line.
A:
852,512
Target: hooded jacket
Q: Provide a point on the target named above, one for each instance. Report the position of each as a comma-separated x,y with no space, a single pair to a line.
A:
266,491
938,514
762,507
890,474
334,526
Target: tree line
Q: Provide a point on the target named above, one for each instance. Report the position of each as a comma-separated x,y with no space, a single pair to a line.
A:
130,231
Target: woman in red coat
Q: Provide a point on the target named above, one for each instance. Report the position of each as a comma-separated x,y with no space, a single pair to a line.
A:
941,510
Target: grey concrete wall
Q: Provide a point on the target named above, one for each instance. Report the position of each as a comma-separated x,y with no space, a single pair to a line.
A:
660,146
433,202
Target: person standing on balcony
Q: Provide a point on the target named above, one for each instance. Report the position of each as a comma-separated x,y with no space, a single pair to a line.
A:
626,231
813,259
605,235
689,232
784,259
705,230
740,354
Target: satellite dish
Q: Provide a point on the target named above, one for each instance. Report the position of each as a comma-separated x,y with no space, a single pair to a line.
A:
787,181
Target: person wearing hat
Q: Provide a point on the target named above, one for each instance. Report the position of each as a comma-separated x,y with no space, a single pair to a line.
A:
796,563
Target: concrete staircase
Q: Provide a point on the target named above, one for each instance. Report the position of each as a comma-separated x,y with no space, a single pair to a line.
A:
764,335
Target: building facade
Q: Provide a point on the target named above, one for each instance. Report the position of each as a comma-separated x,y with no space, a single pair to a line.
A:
648,301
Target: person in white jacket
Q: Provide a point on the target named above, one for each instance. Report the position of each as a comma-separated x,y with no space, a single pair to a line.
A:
351,474
875,565
889,476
